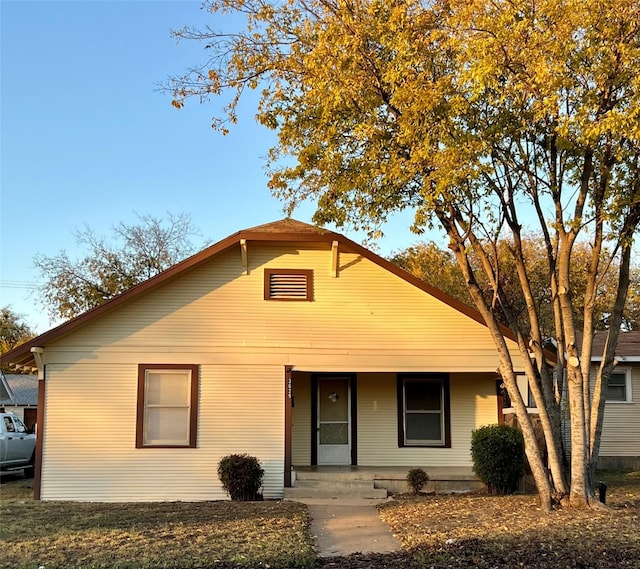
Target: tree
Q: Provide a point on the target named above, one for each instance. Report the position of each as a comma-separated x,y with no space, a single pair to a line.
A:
137,252
438,267
13,331
481,116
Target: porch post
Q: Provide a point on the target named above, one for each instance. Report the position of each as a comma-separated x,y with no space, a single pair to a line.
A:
288,404
37,475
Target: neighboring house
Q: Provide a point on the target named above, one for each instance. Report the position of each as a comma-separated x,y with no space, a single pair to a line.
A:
284,341
620,441
6,395
24,400
620,444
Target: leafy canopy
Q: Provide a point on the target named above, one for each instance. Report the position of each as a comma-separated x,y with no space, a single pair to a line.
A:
419,104
135,253
438,267
480,116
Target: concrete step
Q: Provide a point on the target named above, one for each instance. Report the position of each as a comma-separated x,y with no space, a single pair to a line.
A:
335,476
369,493
328,484
335,484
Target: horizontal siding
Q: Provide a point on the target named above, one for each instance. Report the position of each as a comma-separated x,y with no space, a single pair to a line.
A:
366,309
301,420
473,403
364,320
621,426
89,444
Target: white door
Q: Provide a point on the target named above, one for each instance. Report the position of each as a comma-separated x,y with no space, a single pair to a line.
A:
334,421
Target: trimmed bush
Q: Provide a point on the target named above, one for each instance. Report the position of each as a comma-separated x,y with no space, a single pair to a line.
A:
416,479
498,458
241,476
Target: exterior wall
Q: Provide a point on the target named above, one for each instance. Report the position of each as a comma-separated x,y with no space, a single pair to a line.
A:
620,439
473,404
365,320
89,445
301,420
621,426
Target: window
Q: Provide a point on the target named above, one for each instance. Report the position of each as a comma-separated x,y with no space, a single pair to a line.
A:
288,284
619,386
423,411
167,406
525,391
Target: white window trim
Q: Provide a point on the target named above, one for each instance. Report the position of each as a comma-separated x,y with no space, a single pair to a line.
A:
628,386
523,387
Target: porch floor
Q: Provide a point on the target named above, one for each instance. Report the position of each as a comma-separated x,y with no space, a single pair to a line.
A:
382,472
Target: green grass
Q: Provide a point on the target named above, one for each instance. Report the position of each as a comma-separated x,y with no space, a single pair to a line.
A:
73,535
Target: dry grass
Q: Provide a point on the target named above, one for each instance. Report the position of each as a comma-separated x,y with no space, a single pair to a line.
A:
438,532
511,531
134,536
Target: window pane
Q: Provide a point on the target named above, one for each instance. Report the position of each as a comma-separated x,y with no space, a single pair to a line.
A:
422,395
166,388
616,393
423,427
617,387
167,426
618,379
333,396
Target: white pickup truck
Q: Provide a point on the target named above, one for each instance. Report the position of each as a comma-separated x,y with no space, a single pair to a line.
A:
17,445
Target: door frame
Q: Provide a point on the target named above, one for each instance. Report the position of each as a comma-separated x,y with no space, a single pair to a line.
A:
353,419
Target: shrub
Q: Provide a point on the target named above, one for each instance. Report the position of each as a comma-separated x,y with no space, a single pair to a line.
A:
497,452
241,476
416,479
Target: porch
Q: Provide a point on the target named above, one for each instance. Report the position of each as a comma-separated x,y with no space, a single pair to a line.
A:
374,482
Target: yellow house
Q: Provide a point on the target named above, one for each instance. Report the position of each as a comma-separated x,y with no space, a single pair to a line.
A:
284,341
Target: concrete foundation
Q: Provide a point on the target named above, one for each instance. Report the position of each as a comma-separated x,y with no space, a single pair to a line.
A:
376,482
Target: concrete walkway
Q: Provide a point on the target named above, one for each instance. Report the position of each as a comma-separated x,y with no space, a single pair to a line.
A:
345,526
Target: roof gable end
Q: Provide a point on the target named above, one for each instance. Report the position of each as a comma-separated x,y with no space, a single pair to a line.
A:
285,230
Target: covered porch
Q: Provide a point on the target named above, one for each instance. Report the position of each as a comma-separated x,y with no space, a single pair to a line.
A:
361,432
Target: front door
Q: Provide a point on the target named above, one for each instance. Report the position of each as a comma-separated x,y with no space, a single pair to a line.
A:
334,421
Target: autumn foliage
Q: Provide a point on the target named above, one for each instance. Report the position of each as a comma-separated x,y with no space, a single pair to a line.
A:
481,117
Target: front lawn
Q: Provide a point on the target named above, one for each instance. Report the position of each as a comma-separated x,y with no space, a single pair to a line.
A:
70,535
486,531
438,532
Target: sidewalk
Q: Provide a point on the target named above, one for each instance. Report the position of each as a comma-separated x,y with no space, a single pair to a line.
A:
346,526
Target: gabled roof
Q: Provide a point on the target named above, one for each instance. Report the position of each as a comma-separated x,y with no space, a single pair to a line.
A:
285,230
627,349
6,395
24,388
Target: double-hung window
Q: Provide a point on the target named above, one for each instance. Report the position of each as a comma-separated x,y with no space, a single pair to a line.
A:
423,411
167,405
619,386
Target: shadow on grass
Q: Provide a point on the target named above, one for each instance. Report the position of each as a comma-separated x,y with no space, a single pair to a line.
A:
181,535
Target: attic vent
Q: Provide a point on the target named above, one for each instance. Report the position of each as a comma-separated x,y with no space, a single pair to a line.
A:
288,284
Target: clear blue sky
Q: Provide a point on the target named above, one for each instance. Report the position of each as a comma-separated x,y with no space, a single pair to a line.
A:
87,140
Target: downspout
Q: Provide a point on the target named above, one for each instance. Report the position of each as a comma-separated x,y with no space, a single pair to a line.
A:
38,353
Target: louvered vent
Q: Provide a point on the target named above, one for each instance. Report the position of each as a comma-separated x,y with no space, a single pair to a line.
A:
287,284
